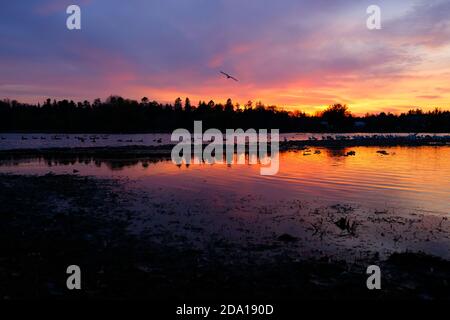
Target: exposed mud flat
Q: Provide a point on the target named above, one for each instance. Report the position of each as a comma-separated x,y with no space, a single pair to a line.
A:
134,245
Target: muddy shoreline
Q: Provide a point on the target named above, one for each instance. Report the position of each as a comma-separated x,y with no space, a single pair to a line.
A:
49,222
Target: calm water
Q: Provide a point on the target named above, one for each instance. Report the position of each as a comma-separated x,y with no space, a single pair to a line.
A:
413,178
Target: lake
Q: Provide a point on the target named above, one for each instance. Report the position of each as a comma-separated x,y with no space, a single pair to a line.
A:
397,196
406,177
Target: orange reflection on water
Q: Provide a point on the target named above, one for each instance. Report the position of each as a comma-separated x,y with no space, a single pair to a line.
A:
407,177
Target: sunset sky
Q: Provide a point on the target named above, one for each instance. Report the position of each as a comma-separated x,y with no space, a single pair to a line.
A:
293,53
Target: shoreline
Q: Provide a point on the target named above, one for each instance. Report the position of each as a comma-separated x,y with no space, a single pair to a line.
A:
50,221
165,150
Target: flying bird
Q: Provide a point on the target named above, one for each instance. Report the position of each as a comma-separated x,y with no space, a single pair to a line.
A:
228,76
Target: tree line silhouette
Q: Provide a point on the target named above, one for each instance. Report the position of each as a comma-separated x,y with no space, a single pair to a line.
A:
120,115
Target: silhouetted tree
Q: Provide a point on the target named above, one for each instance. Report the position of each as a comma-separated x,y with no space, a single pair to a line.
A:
178,105
187,105
338,116
117,114
229,106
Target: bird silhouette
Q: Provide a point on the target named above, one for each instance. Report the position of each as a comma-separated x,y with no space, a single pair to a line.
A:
228,76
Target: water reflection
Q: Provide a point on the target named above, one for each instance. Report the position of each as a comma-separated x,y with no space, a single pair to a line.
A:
407,177
115,164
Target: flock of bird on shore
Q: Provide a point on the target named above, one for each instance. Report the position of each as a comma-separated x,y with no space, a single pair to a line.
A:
91,138
382,137
94,138
414,136
308,152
